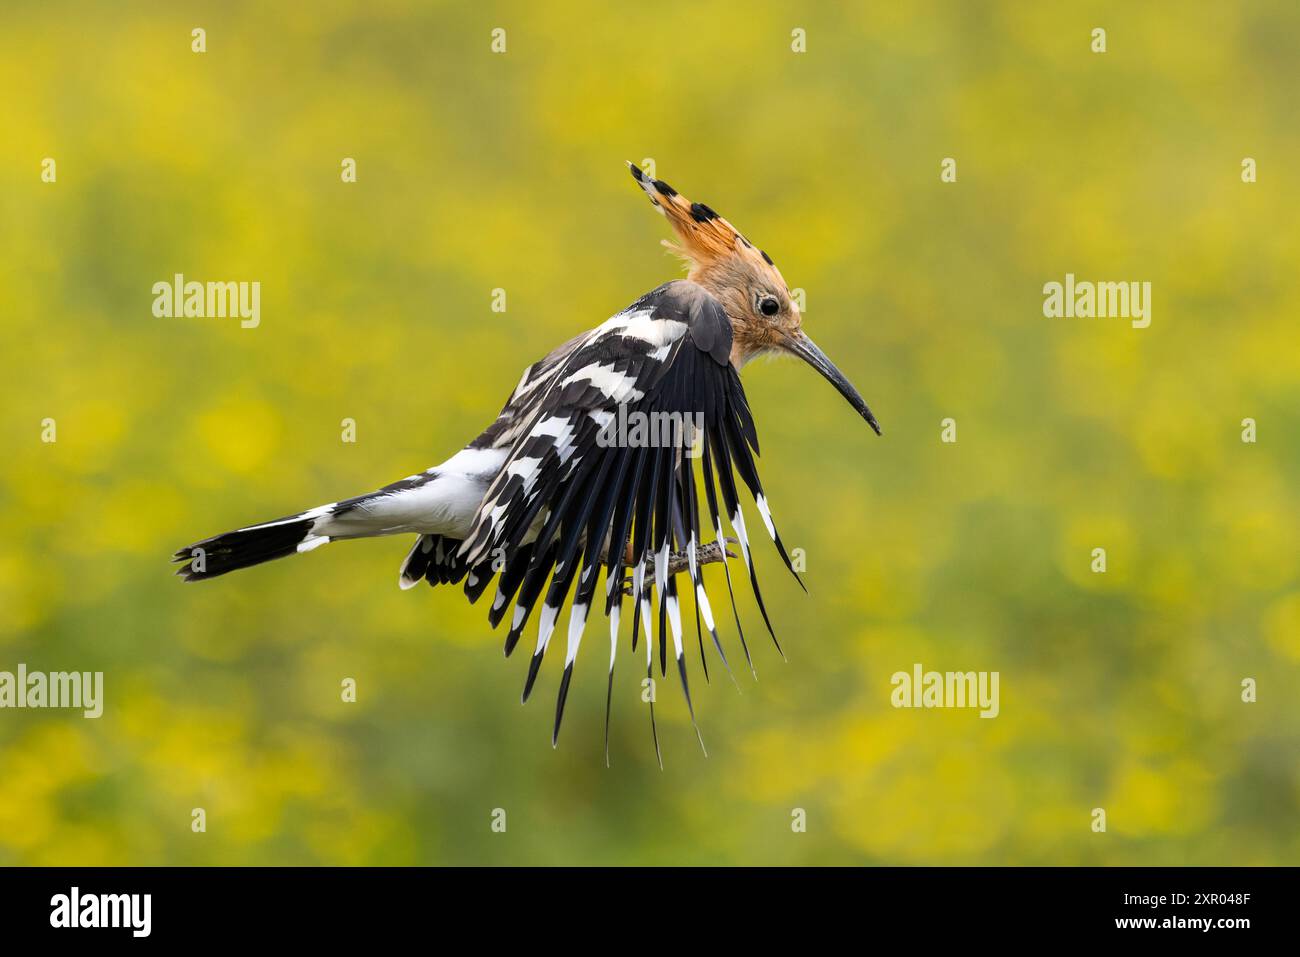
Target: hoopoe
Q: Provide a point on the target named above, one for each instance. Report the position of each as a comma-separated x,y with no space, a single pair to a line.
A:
546,490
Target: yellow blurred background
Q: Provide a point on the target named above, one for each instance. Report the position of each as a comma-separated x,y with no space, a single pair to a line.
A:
479,170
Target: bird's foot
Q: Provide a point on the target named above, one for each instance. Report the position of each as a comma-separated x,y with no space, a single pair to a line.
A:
679,562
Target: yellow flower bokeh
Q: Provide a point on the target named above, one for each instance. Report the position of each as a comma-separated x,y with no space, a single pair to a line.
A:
478,171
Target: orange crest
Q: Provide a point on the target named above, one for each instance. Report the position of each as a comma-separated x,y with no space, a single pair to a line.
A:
707,240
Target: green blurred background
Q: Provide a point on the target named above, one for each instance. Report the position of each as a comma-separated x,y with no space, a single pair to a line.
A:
479,171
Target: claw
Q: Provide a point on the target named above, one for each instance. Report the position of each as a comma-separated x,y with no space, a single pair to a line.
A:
679,562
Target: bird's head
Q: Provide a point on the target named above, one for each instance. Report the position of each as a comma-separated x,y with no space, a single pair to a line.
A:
764,317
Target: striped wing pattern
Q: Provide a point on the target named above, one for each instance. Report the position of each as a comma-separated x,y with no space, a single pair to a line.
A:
578,491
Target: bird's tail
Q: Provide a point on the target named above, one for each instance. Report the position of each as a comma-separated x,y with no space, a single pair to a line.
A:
436,497
253,545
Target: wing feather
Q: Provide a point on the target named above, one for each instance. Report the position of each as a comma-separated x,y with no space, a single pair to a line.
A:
578,493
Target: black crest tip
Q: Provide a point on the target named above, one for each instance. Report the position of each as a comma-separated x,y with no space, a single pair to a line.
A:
702,213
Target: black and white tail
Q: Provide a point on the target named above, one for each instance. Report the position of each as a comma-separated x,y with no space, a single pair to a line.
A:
245,547
436,504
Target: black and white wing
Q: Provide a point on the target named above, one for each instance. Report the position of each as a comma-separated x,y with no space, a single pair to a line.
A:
601,472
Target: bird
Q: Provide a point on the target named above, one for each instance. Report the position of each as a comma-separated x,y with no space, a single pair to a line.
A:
579,472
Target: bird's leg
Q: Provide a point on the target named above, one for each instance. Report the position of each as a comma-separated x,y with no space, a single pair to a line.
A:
680,561
707,554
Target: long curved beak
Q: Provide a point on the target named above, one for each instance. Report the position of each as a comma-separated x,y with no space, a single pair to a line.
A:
807,350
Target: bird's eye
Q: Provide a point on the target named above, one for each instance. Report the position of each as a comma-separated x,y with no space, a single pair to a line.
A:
769,306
